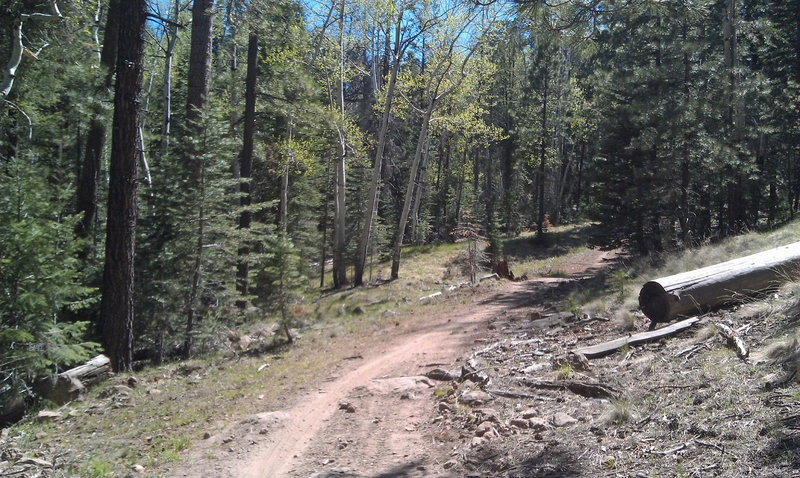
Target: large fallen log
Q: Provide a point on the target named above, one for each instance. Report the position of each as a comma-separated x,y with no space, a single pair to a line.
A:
599,350
67,386
668,297
94,371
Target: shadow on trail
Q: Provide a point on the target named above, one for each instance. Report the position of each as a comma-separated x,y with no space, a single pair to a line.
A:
548,293
405,470
550,245
553,460
782,453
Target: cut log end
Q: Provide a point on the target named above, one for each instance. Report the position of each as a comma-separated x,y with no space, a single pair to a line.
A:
655,302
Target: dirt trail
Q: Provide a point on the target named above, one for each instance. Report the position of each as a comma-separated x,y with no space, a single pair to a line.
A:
388,429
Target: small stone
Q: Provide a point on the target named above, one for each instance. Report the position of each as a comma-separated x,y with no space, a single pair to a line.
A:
450,464
538,424
444,407
154,391
206,435
228,439
358,310
530,413
347,407
407,396
138,469
133,381
484,429
263,431
244,342
561,419
520,423
476,441
488,414
476,398
46,416
41,436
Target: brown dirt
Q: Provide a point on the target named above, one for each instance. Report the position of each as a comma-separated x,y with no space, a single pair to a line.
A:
390,428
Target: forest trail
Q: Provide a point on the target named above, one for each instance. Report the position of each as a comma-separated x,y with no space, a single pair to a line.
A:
374,417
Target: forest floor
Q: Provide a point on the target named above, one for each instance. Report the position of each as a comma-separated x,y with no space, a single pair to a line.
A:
478,382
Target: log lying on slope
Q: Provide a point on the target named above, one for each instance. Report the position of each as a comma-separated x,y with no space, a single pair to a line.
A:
599,350
68,385
668,297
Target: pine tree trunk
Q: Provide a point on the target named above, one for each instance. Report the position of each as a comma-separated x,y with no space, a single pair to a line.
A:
246,161
96,135
118,274
542,161
199,60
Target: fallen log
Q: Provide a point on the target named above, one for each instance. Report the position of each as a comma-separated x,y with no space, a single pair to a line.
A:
599,350
94,371
586,389
67,386
668,297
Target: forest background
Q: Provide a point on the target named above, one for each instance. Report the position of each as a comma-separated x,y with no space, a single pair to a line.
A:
172,169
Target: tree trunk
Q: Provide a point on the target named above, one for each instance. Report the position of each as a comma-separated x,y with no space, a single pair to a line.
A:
167,94
401,227
199,61
283,219
668,297
246,162
117,302
340,209
96,135
372,198
542,161
418,196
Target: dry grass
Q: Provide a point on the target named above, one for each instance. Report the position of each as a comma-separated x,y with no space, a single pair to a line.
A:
176,404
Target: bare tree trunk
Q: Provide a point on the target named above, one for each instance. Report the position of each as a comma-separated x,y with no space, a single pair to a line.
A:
246,162
372,198
118,274
340,209
418,196
401,227
167,94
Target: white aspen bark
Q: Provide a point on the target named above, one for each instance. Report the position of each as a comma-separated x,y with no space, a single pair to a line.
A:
10,71
340,210
398,243
167,95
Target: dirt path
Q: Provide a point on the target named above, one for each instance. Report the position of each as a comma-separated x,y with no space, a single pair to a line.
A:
375,416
